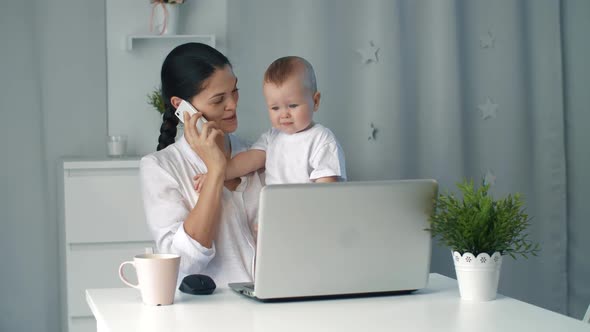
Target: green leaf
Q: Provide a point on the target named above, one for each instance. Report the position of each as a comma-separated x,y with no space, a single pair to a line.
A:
156,101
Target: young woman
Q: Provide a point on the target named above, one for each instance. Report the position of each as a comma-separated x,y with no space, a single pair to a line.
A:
212,230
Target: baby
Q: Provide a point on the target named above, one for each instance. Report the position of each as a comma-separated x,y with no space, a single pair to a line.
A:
295,150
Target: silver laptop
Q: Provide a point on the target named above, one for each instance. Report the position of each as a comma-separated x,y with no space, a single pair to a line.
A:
342,239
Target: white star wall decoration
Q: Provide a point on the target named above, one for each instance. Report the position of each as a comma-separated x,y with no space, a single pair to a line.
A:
489,178
487,40
369,54
489,109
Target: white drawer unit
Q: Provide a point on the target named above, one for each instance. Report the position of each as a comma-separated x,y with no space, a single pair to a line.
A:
103,225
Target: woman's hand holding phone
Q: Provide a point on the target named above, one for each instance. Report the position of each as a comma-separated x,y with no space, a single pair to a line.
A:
186,107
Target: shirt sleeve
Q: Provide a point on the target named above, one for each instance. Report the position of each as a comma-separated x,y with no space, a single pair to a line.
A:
262,142
328,160
165,209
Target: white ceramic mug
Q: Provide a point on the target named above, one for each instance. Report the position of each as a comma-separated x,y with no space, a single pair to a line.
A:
156,277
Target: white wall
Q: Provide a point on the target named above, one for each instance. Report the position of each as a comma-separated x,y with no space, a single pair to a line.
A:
132,74
28,282
576,24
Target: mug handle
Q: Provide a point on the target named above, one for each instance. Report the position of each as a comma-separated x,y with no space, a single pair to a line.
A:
123,277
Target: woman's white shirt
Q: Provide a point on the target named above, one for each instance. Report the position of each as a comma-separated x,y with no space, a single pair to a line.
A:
168,197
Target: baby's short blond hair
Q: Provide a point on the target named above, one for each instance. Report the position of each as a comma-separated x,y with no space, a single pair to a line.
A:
283,68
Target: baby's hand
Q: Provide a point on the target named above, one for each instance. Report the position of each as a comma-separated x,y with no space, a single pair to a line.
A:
199,180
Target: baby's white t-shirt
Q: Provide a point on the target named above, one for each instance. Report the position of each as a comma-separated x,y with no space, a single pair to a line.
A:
301,157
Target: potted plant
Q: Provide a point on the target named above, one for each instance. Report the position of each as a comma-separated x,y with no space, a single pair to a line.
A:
480,230
155,99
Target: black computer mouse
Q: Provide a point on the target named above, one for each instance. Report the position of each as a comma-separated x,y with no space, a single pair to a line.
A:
197,284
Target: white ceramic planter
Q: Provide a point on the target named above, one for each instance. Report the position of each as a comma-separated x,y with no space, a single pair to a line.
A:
478,276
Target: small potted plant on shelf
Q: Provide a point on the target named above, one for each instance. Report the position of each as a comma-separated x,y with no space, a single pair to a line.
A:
480,230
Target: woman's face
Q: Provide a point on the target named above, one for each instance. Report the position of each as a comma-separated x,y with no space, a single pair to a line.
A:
219,99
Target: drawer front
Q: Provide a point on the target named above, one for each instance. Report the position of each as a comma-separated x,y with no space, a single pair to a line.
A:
82,324
96,266
104,205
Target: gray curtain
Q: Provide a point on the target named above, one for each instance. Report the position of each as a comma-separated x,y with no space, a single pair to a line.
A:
450,89
576,50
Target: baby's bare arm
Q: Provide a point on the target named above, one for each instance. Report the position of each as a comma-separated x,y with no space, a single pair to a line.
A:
327,179
244,163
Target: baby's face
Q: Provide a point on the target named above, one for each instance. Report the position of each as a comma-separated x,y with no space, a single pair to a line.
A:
291,105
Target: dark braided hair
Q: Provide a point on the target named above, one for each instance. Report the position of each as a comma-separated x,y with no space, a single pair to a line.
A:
184,72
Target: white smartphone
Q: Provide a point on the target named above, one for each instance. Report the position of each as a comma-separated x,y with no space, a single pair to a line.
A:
187,107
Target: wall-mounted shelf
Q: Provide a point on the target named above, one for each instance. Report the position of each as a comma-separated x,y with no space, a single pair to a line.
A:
131,39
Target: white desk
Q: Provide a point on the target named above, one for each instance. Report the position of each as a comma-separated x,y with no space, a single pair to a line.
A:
437,308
